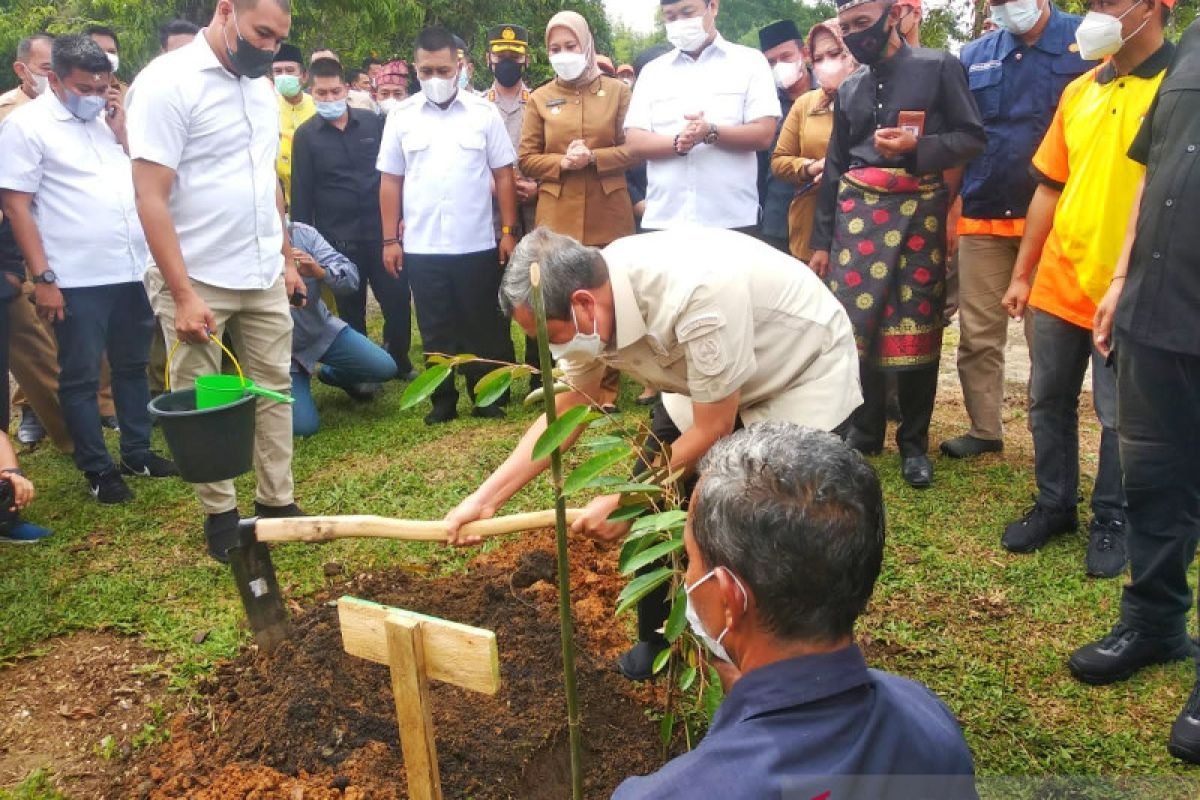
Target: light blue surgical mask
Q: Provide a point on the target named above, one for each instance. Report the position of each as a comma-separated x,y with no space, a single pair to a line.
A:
714,645
85,107
1017,16
331,109
582,345
464,80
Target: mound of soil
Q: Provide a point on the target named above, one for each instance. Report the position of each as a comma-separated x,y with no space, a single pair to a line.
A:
311,722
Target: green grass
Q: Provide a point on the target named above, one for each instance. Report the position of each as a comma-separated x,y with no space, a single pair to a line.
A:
988,631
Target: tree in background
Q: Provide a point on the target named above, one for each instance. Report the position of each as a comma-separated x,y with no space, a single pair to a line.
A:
354,29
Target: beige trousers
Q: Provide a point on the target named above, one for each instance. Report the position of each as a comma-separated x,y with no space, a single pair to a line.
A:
33,361
985,265
260,324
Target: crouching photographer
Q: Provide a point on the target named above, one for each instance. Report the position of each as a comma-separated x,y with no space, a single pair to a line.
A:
16,493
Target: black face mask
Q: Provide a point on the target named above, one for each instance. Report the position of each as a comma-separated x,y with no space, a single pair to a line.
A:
868,46
508,73
248,61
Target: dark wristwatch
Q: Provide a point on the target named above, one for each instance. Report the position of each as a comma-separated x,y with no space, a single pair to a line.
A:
46,277
712,135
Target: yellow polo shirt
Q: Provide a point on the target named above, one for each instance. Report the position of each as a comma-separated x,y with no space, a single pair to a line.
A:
1085,154
290,118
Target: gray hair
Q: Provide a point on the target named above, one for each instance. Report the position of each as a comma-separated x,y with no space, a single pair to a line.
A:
78,51
25,46
799,517
566,266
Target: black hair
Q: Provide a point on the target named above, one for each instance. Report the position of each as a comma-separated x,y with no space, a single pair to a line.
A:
103,30
434,39
325,68
247,5
175,27
352,74
78,51
368,61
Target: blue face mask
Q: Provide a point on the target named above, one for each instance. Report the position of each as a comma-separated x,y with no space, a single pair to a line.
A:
85,107
464,80
332,109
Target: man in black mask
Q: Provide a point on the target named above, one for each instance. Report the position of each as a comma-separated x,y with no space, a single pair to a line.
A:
508,58
879,237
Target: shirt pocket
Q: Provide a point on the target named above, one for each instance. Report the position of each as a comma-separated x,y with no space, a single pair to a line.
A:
415,147
726,107
666,115
986,86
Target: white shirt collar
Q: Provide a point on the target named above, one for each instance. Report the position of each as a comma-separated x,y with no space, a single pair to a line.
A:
57,110
719,45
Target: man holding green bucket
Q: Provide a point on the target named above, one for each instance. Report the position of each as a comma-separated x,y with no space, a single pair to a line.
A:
200,118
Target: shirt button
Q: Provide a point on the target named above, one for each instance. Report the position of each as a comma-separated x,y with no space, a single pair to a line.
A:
881,105
1017,57
1008,212
1157,255
1191,148
1170,202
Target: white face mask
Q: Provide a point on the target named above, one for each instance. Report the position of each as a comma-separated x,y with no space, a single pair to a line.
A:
115,60
1017,16
787,73
582,345
568,66
831,72
1099,35
40,82
440,90
714,645
386,106
687,34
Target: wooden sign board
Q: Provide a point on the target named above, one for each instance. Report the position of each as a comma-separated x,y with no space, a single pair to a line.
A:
453,653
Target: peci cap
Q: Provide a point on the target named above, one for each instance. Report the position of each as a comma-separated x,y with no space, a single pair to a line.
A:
290,53
777,33
508,38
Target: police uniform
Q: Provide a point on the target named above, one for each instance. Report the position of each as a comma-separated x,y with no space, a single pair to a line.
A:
508,38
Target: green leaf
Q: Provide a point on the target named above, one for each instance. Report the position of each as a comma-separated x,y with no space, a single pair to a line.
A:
665,728
687,679
626,513
632,546
641,586
634,488
601,443
677,620
713,694
493,385
590,469
424,385
662,521
559,431
537,394
661,660
651,554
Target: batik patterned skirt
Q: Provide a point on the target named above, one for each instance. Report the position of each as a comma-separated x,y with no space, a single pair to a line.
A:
888,265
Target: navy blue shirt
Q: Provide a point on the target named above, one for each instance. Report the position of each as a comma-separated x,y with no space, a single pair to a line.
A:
801,727
1016,87
774,195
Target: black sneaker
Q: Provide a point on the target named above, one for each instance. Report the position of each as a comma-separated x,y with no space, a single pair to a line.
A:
1034,529
1123,652
968,446
1185,733
277,512
151,465
221,534
111,423
108,487
1106,548
637,663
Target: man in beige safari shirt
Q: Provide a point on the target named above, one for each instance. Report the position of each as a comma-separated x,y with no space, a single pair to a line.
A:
732,332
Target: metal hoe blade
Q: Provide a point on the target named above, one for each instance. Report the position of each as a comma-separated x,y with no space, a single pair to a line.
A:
254,575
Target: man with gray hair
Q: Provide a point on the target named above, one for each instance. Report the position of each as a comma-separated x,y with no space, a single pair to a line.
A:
725,326
784,542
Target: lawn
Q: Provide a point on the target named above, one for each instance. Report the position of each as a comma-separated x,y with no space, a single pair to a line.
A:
988,631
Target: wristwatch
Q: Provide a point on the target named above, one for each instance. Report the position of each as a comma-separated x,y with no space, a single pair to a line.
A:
506,230
47,276
711,137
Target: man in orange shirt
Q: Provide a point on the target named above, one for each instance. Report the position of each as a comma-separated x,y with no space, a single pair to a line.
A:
1074,230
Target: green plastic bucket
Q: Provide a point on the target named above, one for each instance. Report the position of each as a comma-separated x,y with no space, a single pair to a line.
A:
220,390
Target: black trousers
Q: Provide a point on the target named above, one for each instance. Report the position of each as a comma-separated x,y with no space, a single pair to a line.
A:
1158,426
917,389
458,311
391,293
4,386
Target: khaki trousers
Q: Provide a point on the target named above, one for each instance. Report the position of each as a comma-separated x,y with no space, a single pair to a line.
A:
985,265
33,361
260,324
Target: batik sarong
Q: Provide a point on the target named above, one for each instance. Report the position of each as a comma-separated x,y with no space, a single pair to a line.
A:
888,266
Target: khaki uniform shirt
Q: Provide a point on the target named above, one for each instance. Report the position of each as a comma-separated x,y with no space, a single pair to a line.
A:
512,111
703,312
11,101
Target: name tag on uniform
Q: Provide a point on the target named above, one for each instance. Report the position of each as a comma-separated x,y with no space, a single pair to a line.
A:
555,105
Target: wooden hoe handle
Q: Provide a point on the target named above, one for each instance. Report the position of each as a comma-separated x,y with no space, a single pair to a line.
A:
325,529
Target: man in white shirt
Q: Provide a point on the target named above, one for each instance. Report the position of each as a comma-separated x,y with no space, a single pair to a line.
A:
67,189
698,115
203,133
442,151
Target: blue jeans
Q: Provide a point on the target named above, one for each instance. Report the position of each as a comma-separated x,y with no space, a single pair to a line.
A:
1061,352
351,358
115,319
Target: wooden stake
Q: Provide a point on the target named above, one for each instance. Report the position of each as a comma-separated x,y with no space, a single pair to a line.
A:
410,689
